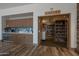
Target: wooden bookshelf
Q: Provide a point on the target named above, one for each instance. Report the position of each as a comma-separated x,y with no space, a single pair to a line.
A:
61,31
50,31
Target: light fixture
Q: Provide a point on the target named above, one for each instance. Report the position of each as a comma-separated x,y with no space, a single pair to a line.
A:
44,21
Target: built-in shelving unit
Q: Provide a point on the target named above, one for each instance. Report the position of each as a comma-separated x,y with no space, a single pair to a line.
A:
61,31
50,31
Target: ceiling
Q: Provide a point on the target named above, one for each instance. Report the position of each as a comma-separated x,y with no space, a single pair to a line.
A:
10,5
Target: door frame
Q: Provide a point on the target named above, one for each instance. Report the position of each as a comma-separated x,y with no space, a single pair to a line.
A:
68,30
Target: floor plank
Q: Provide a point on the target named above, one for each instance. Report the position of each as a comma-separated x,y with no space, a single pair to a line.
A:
23,50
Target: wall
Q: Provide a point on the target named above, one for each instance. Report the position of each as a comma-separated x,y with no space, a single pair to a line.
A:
38,10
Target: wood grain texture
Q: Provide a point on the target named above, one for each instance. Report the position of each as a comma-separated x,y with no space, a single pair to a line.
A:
77,49
21,38
19,22
25,50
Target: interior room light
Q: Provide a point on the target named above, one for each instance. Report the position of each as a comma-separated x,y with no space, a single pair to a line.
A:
43,21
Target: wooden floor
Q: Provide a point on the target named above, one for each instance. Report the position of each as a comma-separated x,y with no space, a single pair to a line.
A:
50,42
23,50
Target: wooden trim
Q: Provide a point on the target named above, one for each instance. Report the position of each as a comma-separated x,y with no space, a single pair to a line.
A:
69,32
38,32
67,14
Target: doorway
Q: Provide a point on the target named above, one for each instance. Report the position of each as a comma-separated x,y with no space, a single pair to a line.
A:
54,31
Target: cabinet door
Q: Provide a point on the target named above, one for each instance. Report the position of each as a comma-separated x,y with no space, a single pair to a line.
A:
28,39
19,38
24,39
